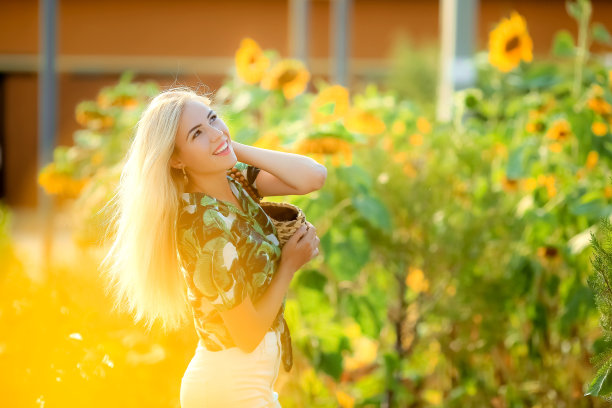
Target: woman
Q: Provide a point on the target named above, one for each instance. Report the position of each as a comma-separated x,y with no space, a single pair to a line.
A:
189,234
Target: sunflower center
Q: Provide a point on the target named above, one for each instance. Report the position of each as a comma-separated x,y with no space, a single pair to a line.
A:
513,43
287,76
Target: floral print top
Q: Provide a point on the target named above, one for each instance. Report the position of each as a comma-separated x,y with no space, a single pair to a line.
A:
225,254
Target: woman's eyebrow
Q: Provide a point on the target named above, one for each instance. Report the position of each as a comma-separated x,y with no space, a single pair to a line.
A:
210,112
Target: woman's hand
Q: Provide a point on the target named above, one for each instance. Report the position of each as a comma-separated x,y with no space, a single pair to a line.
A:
301,247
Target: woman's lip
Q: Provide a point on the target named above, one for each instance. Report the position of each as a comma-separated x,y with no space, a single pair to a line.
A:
226,151
228,144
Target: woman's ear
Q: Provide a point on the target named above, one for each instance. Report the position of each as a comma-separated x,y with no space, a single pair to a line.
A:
176,163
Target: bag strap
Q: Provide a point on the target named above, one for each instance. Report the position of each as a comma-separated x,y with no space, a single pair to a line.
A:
237,175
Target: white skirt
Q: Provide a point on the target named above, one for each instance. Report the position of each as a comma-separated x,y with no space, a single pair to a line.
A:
233,378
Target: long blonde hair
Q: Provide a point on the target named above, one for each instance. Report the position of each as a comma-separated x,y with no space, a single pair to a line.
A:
142,267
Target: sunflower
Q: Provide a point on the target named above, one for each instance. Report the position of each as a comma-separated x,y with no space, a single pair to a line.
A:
509,184
416,280
555,147
423,125
599,128
591,160
509,43
125,101
269,140
318,148
89,115
288,75
549,255
59,183
344,399
535,126
599,105
559,131
416,139
331,103
398,127
251,63
361,121
549,182
529,184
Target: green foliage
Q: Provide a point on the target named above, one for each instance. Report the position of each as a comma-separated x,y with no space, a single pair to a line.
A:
452,253
600,282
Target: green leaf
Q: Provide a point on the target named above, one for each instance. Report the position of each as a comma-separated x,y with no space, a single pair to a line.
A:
515,163
374,211
602,383
601,34
327,109
574,9
331,363
346,251
357,178
563,44
311,278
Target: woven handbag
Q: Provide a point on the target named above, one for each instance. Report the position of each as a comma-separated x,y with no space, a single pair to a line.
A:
287,219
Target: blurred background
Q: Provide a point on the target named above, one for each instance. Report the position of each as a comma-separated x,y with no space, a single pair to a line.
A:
468,147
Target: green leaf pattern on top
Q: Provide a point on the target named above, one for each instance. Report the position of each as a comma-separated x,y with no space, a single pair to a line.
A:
225,255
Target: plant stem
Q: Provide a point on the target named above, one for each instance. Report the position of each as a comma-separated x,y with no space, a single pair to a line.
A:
581,50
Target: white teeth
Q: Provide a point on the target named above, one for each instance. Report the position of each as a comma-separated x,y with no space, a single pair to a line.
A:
222,149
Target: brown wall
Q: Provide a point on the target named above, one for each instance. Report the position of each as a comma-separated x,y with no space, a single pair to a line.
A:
192,28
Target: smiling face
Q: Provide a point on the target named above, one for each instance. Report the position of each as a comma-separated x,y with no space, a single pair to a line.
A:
200,133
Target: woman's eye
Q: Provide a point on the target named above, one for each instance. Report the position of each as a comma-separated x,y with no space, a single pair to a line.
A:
195,134
213,117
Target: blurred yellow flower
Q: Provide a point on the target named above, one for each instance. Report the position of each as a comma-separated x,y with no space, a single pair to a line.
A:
534,126
599,128
398,127
530,184
409,170
269,140
509,184
599,105
388,143
344,400
338,148
608,191
591,160
560,130
432,396
416,280
555,147
451,290
500,149
89,115
97,158
106,100
365,351
423,125
400,156
416,139
548,255
330,104
361,121
509,43
288,75
59,183
251,63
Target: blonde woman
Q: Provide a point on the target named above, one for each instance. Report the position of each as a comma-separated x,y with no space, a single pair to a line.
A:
189,242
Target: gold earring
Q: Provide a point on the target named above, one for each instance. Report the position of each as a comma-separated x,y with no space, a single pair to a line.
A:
185,175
